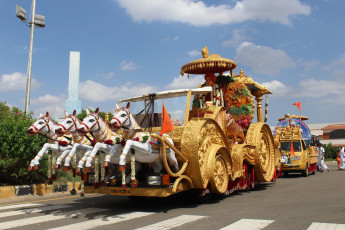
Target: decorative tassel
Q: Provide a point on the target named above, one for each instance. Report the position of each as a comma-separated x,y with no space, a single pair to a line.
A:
49,166
96,169
133,181
53,163
123,180
266,108
102,155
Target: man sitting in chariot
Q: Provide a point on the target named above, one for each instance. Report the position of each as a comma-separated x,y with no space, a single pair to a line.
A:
217,98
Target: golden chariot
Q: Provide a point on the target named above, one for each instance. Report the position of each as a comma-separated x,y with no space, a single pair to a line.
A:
210,159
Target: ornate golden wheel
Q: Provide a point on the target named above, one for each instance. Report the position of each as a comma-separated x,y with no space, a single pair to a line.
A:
259,135
220,179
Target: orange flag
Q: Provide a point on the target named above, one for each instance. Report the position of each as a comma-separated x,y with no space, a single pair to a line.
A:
298,104
291,149
166,124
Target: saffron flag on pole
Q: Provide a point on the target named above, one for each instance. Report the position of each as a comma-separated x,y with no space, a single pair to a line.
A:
292,151
298,104
166,123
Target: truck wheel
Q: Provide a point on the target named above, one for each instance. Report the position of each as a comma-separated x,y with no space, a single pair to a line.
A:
306,172
219,182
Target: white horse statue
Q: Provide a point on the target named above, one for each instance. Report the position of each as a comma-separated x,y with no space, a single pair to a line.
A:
105,138
140,142
58,145
82,143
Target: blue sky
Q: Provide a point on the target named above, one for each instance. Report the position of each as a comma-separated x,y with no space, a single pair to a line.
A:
132,47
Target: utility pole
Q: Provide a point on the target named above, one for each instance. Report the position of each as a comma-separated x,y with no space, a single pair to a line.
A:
38,21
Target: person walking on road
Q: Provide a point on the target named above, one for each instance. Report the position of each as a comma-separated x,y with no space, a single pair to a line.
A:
342,159
321,155
338,158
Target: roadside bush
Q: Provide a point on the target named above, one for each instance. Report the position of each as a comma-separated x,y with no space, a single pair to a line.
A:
330,151
17,149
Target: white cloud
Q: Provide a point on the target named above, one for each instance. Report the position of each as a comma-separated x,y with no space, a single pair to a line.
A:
312,88
55,105
174,39
309,65
96,92
48,99
107,75
338,62
125,65
197,13
185,82
56,111
194,53
277,88
263,59
237,38
16,81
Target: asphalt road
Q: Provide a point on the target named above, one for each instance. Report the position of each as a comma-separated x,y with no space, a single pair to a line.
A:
293,202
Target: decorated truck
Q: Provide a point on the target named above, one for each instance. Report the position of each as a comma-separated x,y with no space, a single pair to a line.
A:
297,145
203,140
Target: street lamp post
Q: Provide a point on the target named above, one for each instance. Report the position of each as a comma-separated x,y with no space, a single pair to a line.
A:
36,21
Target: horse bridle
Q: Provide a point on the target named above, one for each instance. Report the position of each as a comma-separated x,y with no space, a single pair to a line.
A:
38,130
128,116
75,125
99,127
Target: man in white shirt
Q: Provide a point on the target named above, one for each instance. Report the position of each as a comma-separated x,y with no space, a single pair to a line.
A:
321,155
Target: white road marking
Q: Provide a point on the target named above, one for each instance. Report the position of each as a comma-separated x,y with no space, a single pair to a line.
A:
107,220
248,224
18,206
34,210
173,222
49,217
326,226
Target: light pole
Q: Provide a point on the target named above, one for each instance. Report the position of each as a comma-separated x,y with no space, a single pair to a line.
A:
36,21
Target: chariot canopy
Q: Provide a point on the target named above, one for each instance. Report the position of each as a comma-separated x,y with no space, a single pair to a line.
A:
287,116
168,94
213,63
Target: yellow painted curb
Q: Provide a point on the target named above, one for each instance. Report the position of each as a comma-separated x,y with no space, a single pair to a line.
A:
41,189
7,191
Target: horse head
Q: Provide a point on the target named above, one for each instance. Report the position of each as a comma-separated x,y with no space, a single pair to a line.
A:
69,124
44,124
91,122
122,118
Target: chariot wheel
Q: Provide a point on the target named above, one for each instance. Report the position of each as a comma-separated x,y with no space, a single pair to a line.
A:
220,179
259,135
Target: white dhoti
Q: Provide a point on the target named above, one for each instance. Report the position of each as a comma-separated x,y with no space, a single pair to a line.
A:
322,165
321,157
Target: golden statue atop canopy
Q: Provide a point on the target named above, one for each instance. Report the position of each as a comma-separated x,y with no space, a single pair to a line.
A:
213,63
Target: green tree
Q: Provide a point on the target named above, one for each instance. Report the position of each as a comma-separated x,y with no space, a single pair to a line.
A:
82,115
17,149
330,151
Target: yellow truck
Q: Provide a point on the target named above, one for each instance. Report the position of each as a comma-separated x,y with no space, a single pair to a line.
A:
292,136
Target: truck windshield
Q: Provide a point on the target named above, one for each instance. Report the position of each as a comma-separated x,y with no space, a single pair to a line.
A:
286,146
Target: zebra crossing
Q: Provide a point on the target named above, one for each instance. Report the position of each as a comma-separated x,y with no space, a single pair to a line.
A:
36,214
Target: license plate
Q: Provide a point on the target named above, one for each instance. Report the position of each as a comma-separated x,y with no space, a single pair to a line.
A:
119,191
294,158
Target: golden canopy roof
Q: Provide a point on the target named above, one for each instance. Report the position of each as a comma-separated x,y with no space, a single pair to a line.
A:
213,63
256,88
293,116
